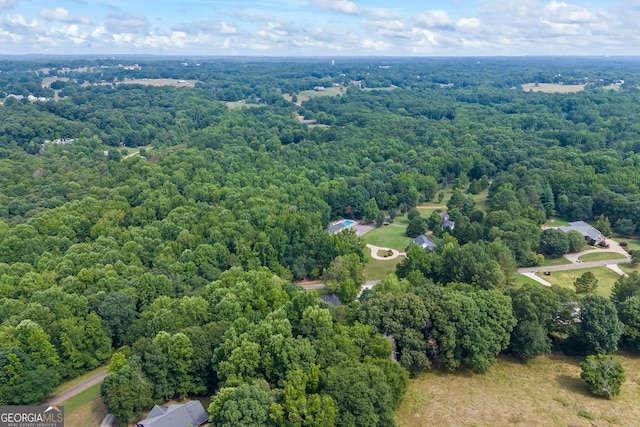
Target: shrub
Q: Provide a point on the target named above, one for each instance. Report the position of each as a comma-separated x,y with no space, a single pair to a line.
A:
604,375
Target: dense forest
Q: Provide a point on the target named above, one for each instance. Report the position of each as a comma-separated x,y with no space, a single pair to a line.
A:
177,264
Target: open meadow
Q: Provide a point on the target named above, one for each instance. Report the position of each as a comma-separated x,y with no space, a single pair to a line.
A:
389,236
546,391
606,278
552,88
376,269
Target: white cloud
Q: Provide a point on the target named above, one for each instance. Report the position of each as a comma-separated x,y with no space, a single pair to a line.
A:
275,32
342,6
99,32
177,39
468,24
227,29
62,15
562,12
291,27
376,45
436,18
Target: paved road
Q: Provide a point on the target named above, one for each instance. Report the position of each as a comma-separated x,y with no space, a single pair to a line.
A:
537,278
574,266
76,389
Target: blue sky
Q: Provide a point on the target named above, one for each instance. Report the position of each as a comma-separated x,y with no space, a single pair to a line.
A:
321,27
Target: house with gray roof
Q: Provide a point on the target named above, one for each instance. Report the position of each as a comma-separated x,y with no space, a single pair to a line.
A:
446,222
191,413
424,242
591,234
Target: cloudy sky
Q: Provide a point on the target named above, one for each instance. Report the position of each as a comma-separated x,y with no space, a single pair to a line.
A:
321,27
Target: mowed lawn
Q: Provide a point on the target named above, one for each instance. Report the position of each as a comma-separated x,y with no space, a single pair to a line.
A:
606,278
330,91
549,262
627,268
547,391
521,279
388,236
379,269
601,256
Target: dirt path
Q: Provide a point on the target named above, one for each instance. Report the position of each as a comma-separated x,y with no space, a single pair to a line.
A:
76,389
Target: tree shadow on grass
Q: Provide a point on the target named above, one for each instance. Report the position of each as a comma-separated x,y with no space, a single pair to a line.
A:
573,385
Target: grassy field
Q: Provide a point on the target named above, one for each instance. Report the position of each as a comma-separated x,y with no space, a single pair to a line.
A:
606,278
160,82
389,236
330,91
547,391
46,81
481,200
404,221
628,269
85,409
240,104
551,88
549,262
521,279
378,269
601,256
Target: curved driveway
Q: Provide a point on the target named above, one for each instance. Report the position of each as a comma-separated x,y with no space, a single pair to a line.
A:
576,264
374,253
613,247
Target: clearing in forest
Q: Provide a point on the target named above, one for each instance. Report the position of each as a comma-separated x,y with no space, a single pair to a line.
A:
606,278
552,88
546,391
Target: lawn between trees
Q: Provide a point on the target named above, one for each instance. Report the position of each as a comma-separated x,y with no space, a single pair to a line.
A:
605,276
546,391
